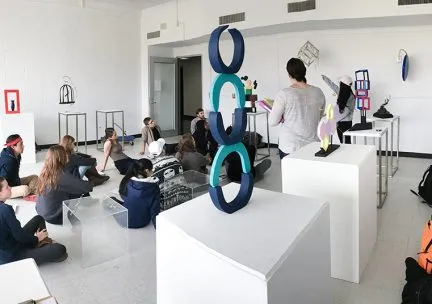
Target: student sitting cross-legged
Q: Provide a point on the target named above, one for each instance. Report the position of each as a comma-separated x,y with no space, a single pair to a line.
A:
189,157
10,161
30,241
140,193
56,185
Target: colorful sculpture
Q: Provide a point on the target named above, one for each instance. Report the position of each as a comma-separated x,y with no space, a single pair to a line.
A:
233,142
250,97
326,129
362,87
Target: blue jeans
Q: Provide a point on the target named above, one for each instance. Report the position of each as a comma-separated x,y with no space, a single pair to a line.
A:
82,170
282,154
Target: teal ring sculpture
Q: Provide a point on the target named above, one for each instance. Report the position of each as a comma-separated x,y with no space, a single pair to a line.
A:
228,143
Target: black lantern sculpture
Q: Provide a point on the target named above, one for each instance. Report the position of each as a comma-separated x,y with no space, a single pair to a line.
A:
67,94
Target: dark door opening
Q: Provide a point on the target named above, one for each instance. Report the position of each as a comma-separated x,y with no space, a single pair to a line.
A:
189,90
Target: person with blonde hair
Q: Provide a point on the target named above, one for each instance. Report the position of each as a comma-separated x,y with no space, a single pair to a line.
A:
80,164
57,185
189,157
10,161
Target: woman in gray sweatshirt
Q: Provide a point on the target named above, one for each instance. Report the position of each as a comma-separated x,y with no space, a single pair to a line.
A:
56,185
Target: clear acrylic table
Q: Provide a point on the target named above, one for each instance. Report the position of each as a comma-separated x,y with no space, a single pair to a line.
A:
182,188
99,228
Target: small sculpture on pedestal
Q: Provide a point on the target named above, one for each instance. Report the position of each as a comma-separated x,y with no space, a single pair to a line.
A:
250,98
382,112
362,87
326,129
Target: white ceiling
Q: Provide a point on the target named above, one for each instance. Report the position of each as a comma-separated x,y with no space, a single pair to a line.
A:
142,4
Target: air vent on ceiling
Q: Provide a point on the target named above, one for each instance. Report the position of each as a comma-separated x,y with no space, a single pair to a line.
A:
232,18
301,6
411,2
153,35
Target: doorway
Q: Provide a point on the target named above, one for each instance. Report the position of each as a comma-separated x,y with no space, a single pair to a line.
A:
189,90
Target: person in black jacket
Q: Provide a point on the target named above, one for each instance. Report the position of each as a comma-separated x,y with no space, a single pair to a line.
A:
233,165
140,193
30,241
10,160
80,164
56,185
204,141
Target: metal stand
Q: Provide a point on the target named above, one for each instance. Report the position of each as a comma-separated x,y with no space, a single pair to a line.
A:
76,114
394,167
106,112
376,133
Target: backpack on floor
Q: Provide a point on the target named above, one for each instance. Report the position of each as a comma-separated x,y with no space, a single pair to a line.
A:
425,187
418,287
425,255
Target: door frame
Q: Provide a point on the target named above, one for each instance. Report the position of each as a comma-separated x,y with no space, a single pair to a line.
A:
167,60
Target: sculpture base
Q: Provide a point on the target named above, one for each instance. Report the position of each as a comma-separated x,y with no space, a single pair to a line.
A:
330,150
361,126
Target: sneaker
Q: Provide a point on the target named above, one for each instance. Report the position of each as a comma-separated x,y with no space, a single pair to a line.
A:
30,198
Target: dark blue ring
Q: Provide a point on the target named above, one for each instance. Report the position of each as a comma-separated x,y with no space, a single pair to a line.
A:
218,130
214,53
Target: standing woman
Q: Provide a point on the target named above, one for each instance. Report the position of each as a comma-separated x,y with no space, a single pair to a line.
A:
113,149
346,103
298,109
56,185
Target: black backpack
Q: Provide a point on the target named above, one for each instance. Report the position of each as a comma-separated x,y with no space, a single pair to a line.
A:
418,289
425,187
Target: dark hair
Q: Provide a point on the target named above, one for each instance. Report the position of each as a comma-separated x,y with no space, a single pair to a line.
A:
345,93
199,110
1,182
146,120
109,132
137,168
12,137
296,69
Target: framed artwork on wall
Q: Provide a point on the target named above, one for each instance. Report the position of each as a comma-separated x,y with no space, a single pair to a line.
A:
12,102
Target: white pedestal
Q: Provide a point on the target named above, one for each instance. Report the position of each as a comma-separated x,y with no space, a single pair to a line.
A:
275,250
22,124
347,180
21,281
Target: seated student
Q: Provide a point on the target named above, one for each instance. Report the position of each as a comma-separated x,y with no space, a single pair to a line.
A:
80,164
149,133
204,141
10,160
233,165
189,157
140,193
164,166
57,185
113,149
30,241
199,116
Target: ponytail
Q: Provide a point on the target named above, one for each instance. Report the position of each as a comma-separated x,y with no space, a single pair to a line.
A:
138,168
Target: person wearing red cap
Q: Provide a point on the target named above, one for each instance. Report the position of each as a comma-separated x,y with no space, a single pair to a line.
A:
10,160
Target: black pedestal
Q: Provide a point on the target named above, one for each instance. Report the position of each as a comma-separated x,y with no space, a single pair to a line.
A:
331,148
361,126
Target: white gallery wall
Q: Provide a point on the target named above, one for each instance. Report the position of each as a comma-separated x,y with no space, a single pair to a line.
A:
341,52
97,46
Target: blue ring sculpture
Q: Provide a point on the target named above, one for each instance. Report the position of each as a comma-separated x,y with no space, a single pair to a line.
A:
229,143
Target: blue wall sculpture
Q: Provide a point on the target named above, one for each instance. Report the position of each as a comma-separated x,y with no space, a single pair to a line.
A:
233,142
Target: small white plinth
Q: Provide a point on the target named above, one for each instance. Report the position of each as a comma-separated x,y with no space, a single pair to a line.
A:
276,250
347,180
22,124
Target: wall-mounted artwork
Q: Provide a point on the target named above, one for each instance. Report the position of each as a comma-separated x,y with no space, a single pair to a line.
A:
12,102
67,92
308,53
404,59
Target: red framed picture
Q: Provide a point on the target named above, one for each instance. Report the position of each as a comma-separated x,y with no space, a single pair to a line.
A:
12,102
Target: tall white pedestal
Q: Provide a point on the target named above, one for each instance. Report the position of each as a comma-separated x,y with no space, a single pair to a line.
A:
347,180
276,250
22,124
